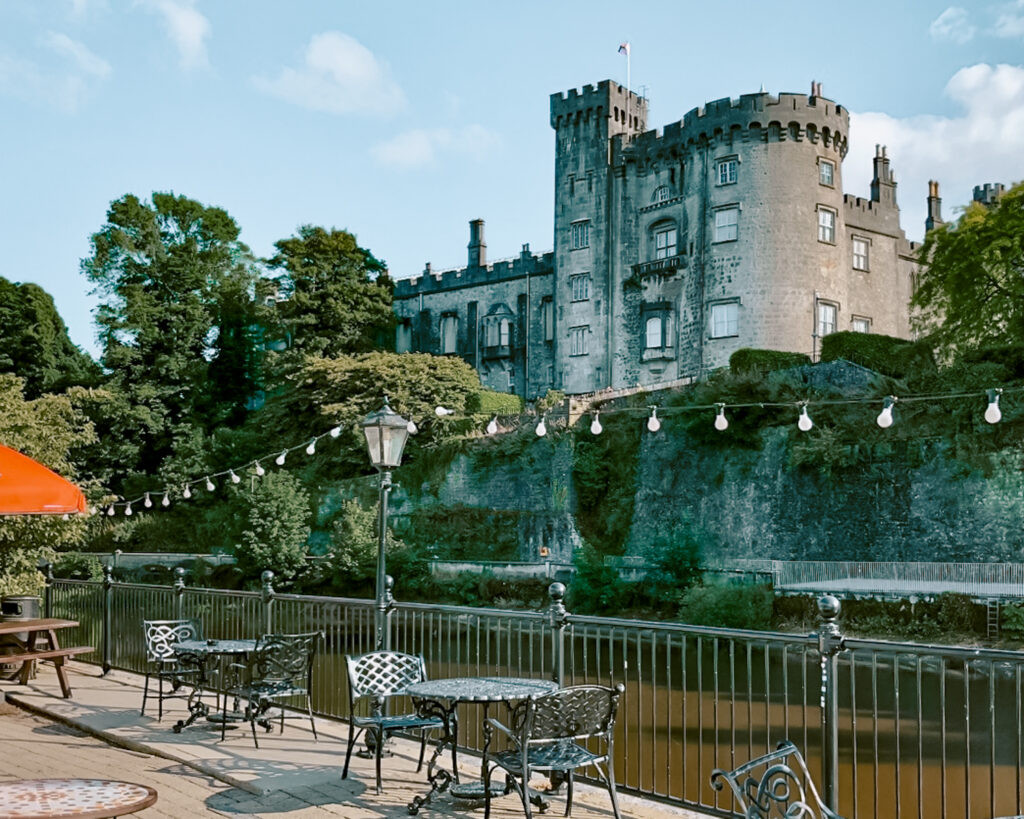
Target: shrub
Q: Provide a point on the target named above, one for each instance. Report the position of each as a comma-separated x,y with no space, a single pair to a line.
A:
595,588
1013,620
750,361
890,356
489,402
748,607
78,566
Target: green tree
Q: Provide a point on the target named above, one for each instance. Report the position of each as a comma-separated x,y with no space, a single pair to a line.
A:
338,294
34,342
47,429
166,271
276,528
971,292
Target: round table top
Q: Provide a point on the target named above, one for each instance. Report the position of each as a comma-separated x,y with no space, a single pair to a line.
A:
214,646
79,798
480,689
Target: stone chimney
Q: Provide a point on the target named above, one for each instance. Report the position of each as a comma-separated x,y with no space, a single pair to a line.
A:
934,207
477,245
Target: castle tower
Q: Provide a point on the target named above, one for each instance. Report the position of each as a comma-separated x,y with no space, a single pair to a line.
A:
934,207
585,122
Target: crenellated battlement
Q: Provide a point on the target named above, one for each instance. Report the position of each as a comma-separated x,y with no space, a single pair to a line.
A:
606,100
751,118
430,281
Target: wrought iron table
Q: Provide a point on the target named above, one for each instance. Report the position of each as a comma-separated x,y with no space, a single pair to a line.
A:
79,798
203,653
441,697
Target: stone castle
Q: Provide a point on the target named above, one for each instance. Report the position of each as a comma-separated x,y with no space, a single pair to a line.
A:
672,250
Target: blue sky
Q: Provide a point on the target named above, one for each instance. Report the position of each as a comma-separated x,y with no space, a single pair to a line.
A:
402,121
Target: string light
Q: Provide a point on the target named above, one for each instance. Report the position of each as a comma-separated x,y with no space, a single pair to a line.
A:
311,449
279,460
993,415
804,422
884,419
234,476
110,510
595,425
335,432
147,502
186,492
492,426
653,424
542,428
166,501
721,422
128,509
260,471
209,484
411,427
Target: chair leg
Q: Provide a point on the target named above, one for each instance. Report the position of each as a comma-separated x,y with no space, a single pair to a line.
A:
610,779
379,749
351,741
253,711
488,772
160,700
423,749
312,724
568,792
145,694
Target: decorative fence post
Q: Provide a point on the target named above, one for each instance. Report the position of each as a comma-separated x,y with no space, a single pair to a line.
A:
108,593
46,567
267,593
179,593
830,643
557,617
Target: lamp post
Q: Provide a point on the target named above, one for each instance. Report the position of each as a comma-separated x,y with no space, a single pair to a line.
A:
386,432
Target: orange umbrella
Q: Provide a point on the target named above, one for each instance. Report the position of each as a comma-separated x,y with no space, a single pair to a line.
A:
29,488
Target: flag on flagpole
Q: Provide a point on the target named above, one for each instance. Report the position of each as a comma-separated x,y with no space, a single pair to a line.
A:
624,48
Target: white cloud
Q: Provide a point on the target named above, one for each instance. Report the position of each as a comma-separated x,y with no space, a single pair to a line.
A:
423,146
1010,23
339,75
75,51
953,24
187,28
983,144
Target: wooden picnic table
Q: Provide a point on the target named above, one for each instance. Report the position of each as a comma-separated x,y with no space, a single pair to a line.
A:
28,650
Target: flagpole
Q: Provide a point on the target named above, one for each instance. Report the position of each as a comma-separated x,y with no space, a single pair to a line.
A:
629,50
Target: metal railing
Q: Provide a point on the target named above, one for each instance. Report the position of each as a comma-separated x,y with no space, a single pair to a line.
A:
896,730
865,577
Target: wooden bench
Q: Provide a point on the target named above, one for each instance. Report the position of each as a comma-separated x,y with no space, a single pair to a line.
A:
26,652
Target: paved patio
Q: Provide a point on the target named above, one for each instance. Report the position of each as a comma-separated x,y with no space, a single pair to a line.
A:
98,733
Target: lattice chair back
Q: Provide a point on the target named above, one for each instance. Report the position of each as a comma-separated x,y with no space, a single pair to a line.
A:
382,674
284,658
162,634
774,786
575,713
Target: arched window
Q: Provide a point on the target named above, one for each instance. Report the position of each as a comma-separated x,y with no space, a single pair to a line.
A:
654,336
661,193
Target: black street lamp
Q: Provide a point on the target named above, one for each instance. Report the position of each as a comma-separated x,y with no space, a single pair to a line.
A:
386,432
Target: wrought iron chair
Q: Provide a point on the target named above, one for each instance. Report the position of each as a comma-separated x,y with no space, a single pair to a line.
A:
279,669
378,676
163,663
546,733
777,784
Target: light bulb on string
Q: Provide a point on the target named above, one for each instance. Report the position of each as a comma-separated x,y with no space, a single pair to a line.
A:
260,471
653,423
492,425
128,509
884,419
234,477
721,422
279,460
147,501
542,428
311,449
186,493
209,484
167,500
411,427
993,414
595,425
110,511
441,412
335,432
804,422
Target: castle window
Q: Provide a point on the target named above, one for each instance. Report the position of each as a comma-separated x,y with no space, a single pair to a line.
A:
547,318
860,324
664,240
826,225
654,333
727,224
580,287
827,313
403,336
826,172
579,236
861,247
727,170
578,340
449,328
661,194
725,319
503,332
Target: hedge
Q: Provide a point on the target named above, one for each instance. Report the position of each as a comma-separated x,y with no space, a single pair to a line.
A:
490,402
895,357
748,360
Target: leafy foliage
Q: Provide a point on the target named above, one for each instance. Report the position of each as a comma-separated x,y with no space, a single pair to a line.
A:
888,355
276,528
748,607
750,361
971,293
489,402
